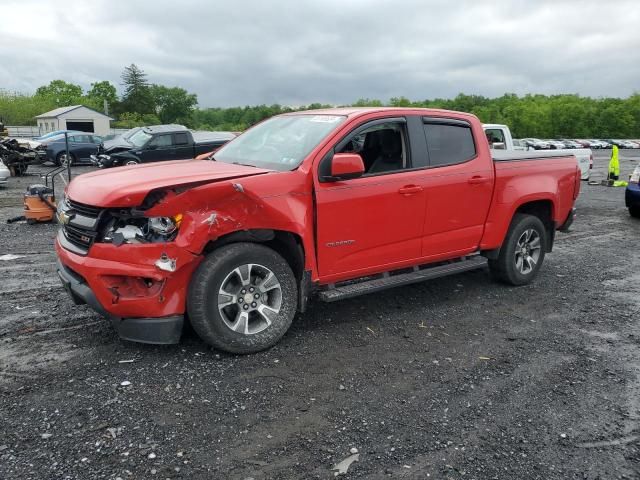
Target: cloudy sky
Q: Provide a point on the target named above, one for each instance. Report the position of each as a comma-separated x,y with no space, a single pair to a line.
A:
295,52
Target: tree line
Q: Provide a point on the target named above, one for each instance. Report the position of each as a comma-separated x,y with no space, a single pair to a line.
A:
144,103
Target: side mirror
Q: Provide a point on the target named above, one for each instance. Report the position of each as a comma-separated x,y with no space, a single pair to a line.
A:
345,166
151,147
498,146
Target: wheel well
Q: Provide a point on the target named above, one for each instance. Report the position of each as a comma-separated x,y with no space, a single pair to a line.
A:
287,244
543,209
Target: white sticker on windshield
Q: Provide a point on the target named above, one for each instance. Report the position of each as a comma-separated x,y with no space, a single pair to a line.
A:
325,118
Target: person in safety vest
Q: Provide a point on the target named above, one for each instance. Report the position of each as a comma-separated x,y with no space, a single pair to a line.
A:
614,164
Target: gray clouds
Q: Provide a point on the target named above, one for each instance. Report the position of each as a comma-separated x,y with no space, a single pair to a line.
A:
332,51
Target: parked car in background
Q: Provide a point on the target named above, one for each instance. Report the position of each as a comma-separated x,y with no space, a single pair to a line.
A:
55,134
536,143
597,144
556,144
620,143
4,174
632,194
584,156
81,147
159,143
519,145
568,143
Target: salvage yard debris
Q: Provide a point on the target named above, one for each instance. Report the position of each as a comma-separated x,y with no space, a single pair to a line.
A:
18,157
342,467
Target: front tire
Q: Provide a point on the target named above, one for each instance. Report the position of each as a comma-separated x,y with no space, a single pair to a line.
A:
522,252
242,298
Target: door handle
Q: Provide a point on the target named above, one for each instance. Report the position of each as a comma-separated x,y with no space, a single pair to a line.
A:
477,180
410,189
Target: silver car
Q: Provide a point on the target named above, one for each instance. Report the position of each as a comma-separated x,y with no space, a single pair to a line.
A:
4,174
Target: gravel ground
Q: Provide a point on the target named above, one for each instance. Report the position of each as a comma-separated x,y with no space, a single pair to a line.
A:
454,378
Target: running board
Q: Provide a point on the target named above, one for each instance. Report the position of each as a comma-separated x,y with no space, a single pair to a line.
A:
390,281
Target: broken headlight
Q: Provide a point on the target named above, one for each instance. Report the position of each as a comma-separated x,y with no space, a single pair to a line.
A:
128,229
164,225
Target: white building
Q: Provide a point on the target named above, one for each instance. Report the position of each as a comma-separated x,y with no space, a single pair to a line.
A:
77,117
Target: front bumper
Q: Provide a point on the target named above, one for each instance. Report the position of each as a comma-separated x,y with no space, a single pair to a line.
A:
102,160
143,303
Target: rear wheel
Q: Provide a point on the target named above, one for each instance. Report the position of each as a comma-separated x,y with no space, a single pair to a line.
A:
634,212
131,162
242,298
522,252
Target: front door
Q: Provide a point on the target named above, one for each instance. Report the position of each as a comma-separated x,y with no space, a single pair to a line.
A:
375,222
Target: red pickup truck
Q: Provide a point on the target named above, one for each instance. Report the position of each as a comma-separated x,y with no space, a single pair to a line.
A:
336,203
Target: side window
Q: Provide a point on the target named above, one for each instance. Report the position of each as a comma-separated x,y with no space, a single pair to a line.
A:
383,147
95,139
449,144
161,141
181,139
79,139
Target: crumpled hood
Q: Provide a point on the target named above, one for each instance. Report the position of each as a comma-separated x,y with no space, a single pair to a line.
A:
117,143
128,186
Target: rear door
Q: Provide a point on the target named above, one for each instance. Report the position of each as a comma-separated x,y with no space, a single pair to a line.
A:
183,145
159,148
375,222
458,185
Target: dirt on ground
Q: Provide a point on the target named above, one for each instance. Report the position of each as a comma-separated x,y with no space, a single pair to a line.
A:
455,378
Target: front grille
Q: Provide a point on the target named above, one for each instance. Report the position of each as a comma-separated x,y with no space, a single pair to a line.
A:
79,237
82,209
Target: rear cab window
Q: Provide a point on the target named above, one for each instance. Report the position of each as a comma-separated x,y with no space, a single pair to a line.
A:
181,139
449,141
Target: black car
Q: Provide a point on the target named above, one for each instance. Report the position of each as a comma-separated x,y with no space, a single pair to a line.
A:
158,143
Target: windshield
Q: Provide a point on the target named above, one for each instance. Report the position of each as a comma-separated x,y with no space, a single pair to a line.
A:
129,133
280,143
139,138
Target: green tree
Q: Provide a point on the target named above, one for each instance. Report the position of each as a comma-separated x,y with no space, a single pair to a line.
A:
101,92
137,95
61,93
173,104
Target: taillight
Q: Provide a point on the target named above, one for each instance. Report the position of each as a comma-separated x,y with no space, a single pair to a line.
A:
635,176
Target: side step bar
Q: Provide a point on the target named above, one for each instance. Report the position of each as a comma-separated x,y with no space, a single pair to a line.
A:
390,281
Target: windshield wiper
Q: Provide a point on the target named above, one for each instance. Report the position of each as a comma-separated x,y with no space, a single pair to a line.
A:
244,164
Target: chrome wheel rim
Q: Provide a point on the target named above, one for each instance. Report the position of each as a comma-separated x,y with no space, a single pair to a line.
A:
527,252
131,162
249,299
63,159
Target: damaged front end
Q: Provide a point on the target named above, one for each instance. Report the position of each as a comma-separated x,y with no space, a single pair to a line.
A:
127,267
